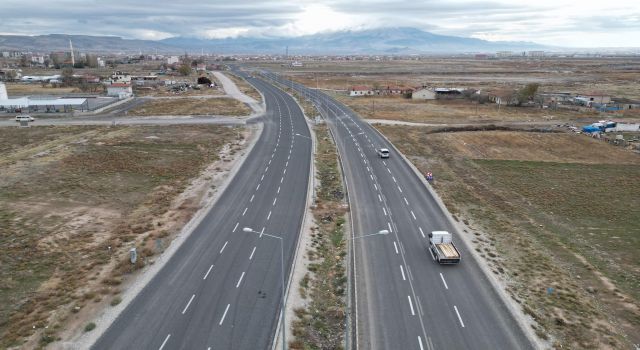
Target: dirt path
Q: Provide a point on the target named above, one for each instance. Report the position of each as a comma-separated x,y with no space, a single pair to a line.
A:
232,90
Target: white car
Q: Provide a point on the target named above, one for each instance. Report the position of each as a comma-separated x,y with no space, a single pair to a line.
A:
383,153
26,118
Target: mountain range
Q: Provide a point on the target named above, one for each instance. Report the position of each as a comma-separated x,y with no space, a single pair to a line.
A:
402,40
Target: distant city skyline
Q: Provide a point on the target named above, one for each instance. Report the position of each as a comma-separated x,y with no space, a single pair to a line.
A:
551,22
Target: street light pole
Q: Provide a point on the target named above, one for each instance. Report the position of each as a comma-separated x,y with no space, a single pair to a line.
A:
282,309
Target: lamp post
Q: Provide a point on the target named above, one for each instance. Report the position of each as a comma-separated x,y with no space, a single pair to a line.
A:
282,310
381,232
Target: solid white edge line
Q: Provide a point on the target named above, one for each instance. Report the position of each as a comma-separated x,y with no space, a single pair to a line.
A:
240,280
253,251
189,303
224,246
207,274
459,318
164,342
413,313
443,281
224,315
402,271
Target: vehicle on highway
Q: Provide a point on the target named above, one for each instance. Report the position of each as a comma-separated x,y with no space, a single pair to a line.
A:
383,152
27,118
442,248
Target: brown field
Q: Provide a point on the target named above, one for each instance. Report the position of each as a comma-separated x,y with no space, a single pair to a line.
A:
37,89
192,106
454,111
617,76
546,210
73,200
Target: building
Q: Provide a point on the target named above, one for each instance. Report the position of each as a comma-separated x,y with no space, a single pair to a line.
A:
626,103
423,94
173,60
37,59
119,90
535,53
504,54
201,67
121,77
594,97
360,91
46,105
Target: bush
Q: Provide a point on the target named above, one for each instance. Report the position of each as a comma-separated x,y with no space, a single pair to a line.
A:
89,327
116,301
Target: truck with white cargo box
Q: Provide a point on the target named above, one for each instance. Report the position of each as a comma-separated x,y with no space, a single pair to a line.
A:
442,248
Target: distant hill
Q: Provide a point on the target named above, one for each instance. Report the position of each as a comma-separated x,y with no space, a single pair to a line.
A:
374,41
86,43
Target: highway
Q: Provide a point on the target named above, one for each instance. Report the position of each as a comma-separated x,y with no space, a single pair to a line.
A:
402,298
222,287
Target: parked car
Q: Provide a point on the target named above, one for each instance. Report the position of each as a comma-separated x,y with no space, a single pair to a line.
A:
28,118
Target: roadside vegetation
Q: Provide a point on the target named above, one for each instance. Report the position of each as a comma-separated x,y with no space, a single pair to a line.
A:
192,106
321,324
554,215
74,200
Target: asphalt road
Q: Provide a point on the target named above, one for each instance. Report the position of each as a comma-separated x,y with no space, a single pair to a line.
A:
222,287
403,299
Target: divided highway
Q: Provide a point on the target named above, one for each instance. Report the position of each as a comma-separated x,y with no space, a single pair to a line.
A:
222,287
403,299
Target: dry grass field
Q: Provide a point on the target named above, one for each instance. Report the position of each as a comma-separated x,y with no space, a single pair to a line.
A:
546,210
192,106
37,89
73,200
454,111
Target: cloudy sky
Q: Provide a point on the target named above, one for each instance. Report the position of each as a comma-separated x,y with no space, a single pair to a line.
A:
568,23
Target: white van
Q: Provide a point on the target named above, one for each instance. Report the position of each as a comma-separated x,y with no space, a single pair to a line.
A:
26,118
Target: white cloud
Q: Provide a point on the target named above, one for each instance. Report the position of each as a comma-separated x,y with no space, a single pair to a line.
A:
553,22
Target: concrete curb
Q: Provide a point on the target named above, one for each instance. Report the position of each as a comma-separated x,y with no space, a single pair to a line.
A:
108,315
511,305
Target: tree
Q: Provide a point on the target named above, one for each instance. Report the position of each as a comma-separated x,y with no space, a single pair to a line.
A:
526,93
11,75
24,62
67,75
185,68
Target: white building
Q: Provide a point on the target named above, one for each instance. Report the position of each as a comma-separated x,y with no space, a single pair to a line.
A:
173,59
119,90
360,91
121,77
37,59
3,92
424,94
101,62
